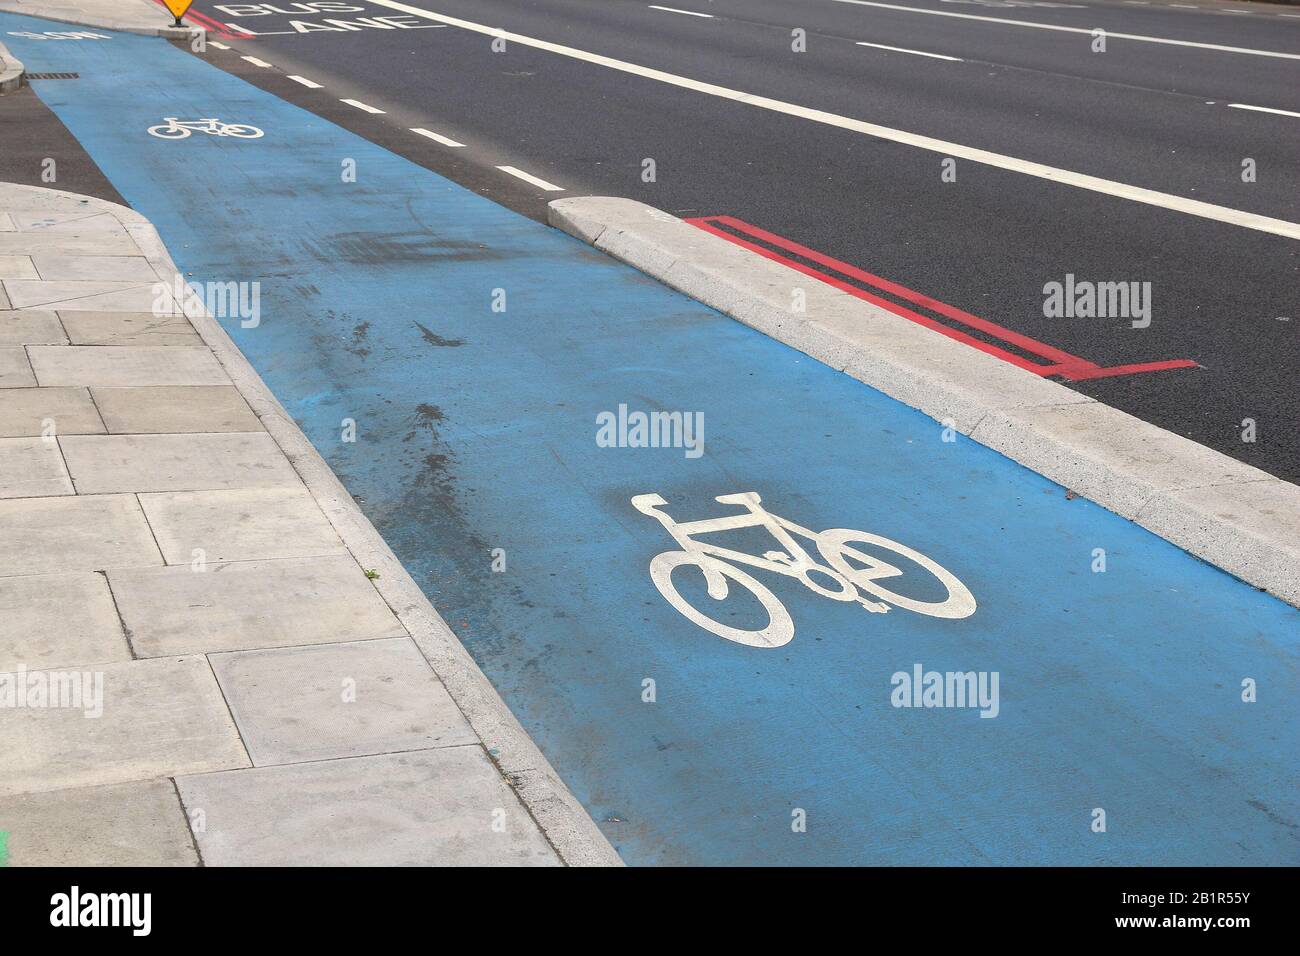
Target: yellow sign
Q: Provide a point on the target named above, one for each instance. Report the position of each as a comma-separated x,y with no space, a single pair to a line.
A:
178,7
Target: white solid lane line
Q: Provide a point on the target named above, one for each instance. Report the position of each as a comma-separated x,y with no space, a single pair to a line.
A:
255,61
437,138
310,84
529,178
899,49
689,13
1262,109
361,106
1151,197
1052,26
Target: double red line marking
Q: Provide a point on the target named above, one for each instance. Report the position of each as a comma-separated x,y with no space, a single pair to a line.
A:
209,24
1057,362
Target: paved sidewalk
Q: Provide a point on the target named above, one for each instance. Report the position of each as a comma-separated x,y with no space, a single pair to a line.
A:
183,632
131,16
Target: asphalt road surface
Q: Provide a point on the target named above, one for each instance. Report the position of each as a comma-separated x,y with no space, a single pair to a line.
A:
46,153
1027,81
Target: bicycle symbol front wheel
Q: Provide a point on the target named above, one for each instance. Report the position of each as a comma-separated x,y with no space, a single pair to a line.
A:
780,626
835,547
242,131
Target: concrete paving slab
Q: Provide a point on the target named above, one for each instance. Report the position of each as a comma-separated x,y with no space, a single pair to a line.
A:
244,525
159,718
59,620
32,468
174,409
31,412
102,464
100,294
4,299
48,201
298,704
128,824
33,327
15,372
47,216
27,412
430,808
61,268
250,604
129,328
123,366
31,243
74,533
17,267
69,221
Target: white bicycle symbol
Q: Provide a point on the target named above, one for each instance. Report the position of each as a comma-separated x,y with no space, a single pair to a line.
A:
844,580
172,128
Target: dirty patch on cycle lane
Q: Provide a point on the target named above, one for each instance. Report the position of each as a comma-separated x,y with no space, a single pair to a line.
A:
477,456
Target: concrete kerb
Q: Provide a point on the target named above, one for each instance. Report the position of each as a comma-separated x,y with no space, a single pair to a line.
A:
148,19
11,71
1231,515
566,824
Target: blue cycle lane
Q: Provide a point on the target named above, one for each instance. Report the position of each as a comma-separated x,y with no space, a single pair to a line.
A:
477,457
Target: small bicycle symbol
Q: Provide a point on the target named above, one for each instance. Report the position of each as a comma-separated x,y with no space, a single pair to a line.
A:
836,546
172,128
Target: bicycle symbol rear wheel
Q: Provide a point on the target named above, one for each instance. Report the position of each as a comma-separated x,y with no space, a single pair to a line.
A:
780,626
167,131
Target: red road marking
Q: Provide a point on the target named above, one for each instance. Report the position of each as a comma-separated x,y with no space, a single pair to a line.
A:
1058,362
209,24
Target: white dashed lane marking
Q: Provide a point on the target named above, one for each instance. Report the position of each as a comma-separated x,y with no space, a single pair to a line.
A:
1262,109
529,178
437,138
1005,21
899,49
362,106
689,13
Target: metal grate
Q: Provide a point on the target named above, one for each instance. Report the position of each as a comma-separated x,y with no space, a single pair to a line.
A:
53,76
